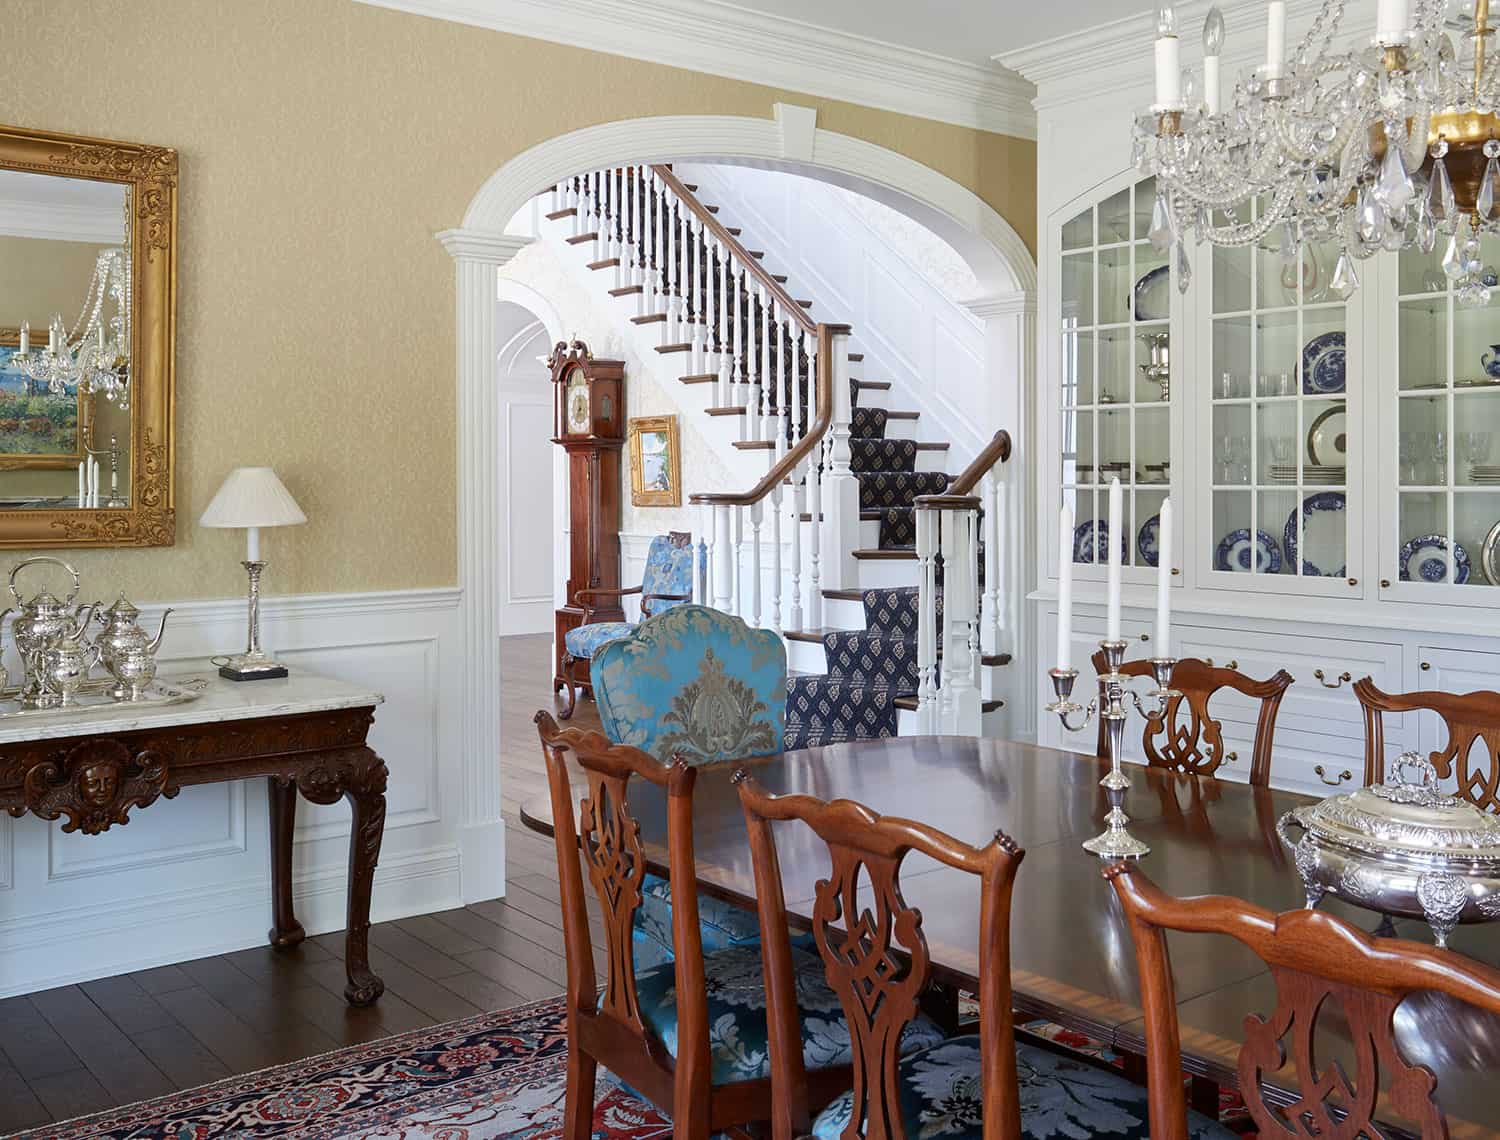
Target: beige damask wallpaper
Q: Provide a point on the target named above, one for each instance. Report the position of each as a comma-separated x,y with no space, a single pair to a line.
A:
323,143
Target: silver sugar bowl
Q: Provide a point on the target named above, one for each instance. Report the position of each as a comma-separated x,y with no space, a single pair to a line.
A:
42,623
127,651
1401,848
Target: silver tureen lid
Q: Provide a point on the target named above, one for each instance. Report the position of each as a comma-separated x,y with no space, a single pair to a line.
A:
1408,817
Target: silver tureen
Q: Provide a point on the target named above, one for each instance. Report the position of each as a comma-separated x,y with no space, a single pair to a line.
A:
1402,848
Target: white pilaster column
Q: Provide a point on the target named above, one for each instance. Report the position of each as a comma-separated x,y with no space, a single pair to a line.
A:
474,797
1010,388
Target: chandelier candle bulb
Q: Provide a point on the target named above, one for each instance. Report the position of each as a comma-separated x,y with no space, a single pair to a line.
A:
1168,63
1275,39
1065,589
1213,48
1115,528
1393,22
1164,580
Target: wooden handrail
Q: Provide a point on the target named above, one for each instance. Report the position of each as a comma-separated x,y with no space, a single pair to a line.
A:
996,451
947,502
752,265
815,432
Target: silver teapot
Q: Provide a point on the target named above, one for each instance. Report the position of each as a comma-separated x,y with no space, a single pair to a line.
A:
126,650
41,624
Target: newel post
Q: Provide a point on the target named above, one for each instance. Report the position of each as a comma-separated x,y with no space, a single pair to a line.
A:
840,486
475,798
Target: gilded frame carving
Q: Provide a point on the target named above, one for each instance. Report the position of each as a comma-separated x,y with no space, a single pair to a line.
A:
151,174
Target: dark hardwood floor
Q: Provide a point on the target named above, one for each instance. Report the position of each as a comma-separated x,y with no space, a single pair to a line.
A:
85,1047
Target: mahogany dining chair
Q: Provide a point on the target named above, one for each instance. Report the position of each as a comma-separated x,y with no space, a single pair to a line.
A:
1468,718
1324,969
1192,741
689,1034
877,961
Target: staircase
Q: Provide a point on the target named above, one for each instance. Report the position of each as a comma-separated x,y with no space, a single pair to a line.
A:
853,544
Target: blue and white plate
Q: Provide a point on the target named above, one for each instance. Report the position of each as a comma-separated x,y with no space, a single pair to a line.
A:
1091,542
1150,299
1323,365
1425,559
1148,541
1235,551
1323,530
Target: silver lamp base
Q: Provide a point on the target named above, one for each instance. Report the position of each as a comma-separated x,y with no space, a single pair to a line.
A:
253,664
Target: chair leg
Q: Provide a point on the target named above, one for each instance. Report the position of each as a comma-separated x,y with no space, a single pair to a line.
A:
572,685
578,1105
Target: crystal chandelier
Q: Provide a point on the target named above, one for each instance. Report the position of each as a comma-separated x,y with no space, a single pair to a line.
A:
94,356
1390,146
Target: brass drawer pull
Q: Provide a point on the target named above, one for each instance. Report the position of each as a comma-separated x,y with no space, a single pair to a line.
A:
1426,665
1344,775
1354,581
1231,757
1145,637
1318,673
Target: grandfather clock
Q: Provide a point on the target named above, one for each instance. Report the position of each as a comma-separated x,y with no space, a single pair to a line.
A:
589,424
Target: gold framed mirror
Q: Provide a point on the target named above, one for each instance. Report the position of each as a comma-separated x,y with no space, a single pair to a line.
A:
88,299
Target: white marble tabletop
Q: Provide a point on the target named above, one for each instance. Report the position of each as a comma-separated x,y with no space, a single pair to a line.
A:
217,700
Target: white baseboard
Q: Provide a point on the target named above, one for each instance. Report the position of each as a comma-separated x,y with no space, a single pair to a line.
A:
190,876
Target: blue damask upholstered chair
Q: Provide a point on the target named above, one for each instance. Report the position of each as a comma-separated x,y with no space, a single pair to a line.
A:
666,582
700,684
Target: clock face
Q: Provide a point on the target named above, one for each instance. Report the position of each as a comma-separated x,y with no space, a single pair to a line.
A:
578,403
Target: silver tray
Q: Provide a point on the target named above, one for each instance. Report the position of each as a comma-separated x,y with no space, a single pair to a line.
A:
94,697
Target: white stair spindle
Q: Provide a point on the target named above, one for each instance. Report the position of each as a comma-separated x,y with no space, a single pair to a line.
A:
971,524
756,515
776,570
783,394
701,571
697,294
638,241
992,623
724,341
723,565
926,540
557,197
798,497
960,707
763,371
601,242
815,504
617,231
739,563
657,279
737,315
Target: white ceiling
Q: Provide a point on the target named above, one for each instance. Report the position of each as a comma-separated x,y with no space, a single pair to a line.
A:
962,29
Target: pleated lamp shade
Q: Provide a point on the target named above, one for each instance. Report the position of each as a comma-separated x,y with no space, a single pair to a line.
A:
252,497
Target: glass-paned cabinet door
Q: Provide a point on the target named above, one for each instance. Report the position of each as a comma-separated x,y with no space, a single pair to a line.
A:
1115,291
1275,450
1446,514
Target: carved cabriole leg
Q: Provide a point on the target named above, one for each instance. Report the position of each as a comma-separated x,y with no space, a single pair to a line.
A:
359,776
285,929
568,662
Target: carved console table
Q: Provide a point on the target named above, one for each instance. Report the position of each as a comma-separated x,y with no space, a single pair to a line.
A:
304,733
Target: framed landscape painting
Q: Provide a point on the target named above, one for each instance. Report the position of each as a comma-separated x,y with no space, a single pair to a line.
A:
37,429
655,462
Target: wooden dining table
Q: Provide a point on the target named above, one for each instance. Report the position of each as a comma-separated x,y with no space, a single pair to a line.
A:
1073,961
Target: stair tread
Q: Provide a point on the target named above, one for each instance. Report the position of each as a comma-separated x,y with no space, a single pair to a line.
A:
908,701
726,411
755,444
674,348
627,290
874,385
932,446
845,595
649,319
570,212
856,357
811,636
700,378
607,263
579,239
890,415
880,554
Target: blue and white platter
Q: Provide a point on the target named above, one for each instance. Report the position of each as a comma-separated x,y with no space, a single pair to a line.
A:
1090,542
1148,305
1323,365
1235,551
1323,531
1425,559
1148,540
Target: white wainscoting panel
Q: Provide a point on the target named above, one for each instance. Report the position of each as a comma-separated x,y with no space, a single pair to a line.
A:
190,876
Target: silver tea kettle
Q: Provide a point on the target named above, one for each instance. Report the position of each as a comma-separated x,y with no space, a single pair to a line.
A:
42,622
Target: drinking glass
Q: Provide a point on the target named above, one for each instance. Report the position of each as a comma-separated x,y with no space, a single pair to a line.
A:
1440,457
1475,445
1410,454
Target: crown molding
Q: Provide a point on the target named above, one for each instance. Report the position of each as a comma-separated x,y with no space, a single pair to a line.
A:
1104,57
723,39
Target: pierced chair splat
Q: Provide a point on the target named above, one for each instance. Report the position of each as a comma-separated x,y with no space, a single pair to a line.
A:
1187,738
698,685
667,581
1333,982
688,1034
1470,719
877,961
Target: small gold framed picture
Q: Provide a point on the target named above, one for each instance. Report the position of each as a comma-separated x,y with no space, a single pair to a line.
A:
655,462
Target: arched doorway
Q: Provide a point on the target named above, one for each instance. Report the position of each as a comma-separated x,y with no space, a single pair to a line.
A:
992,248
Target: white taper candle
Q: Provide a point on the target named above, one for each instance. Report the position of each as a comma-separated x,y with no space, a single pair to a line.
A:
1164,581
1393,22
1168,73
1275,39
252,544
1115,528
1065,588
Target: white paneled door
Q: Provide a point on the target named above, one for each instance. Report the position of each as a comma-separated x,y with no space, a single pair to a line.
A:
526,507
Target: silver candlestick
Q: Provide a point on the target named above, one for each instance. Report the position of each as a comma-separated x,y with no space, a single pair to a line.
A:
1115,842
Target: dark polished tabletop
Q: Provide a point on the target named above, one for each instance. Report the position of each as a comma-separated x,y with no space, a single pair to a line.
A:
1072,956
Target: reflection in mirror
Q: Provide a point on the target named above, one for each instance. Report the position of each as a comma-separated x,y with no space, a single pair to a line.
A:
65,342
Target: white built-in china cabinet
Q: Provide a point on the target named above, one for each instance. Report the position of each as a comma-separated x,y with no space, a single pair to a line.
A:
1334,463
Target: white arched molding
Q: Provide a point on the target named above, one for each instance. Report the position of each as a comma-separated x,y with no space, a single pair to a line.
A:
477,258
1010,365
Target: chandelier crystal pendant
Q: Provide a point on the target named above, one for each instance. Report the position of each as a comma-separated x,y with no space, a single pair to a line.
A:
1392,146
93,358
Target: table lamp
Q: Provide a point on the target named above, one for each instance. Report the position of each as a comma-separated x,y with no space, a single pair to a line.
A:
252,497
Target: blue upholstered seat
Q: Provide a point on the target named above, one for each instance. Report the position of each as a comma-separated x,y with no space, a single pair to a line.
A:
667,581
941,1092
737,1014
583,640
700,684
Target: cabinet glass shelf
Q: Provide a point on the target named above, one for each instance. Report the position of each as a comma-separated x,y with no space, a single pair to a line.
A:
1115,295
